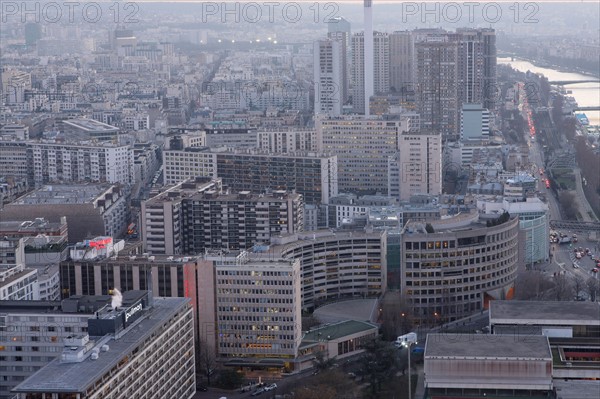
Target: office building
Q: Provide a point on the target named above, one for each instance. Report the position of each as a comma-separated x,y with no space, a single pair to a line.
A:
216,220
162,219
344,264
436,63
454,271
474,123
368,54
36,335
287,140
418,166
362,146
534,224
258,311
143,349
90,209
328,76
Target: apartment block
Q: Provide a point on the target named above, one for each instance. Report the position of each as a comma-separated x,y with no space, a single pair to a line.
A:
419,167
188,163
18,283
214,220
362,146
287,140
162,218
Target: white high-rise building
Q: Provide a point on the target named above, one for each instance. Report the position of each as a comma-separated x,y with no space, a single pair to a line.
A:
368,55
380,65
328,76
420,164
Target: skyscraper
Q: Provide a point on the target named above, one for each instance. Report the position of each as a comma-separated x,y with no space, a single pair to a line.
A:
368,55
329,60
437,85
401,61
380,64
339,29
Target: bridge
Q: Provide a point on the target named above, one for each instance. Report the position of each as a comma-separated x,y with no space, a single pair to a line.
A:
571,82
590,108
575,226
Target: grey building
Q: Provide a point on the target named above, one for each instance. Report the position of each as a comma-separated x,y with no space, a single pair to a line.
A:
214,220
32,334
150,341
90,209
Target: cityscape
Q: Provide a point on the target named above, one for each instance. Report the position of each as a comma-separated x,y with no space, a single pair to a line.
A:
363,199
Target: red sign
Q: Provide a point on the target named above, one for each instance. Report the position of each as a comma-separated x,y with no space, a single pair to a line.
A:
100,243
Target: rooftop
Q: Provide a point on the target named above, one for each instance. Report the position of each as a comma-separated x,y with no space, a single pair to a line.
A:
528,312
338,330
90,125
79,376
63,194
487,346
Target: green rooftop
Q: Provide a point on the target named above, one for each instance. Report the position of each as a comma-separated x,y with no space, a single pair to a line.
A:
337,330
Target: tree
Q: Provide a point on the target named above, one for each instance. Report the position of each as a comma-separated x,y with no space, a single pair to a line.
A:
562,287
531,285
379,362
578,284
592,288
206,361
396,316
322,362
230,379
568,204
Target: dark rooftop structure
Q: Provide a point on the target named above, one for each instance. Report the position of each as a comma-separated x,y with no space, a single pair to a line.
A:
545,312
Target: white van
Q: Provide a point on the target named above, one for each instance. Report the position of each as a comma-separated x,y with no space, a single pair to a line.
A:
406,339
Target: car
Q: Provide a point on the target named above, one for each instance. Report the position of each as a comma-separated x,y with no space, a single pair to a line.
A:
575,266
258,392
595,270
270,387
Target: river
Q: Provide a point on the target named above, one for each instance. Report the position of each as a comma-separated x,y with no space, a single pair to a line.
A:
586,94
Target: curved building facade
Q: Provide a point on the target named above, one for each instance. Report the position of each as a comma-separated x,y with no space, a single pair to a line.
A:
337,265
451,274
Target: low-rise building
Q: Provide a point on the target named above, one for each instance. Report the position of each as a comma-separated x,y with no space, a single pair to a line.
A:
467,365
18,283
90,209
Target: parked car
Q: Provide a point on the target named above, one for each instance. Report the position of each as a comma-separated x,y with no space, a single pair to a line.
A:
258,392
270,387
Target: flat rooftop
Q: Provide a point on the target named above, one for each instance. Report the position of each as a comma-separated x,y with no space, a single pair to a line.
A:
487,346
577,389
90,125
338,330
63,194
77,377
555,312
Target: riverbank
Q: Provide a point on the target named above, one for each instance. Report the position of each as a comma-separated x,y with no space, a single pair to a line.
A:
559,68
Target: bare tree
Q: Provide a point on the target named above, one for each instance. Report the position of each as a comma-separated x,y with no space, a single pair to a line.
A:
206,360
531,285
562,287
578,284
396,315
592,288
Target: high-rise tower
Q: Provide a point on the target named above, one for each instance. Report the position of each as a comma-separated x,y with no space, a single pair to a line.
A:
368,56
